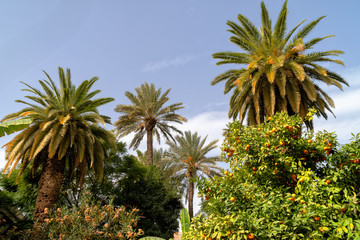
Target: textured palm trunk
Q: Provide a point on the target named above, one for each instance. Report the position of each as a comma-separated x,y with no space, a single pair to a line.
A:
50,183
149,152
191,198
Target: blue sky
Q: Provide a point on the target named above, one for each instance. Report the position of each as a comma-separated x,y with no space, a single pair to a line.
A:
166,42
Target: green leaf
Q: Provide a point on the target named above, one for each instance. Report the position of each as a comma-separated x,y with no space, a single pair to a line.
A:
12,126
184,220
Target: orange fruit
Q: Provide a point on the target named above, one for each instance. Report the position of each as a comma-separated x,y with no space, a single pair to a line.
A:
309,141
303,211
250,236
306,151
226,172
328,181
254,168
317,218
293,176
232,199
282,143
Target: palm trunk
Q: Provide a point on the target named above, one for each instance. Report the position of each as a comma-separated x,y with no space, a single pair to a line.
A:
191,197
50,183
149,152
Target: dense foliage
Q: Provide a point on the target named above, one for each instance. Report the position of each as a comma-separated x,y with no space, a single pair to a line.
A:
91,220
158,202
284,183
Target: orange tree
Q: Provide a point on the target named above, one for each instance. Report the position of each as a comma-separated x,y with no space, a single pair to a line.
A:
283,183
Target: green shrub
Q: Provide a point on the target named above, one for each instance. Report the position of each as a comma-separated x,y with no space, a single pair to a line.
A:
284,183
92,221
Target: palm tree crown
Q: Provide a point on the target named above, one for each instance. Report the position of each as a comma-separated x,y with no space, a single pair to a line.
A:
148,115
187,155
64,132
280,73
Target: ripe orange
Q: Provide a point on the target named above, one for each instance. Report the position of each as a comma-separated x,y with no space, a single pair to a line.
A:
292,199
301,180
226,172
293,176
251,236
229,154
303,211
254,168
190,158
309,141
317,218
231,174
282,143
302,201
232,199
306,151
328,181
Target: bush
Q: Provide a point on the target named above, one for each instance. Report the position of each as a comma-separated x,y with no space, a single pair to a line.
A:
284,183
91,221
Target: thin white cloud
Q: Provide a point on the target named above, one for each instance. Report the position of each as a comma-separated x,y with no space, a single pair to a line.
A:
165,63
347,102
2,159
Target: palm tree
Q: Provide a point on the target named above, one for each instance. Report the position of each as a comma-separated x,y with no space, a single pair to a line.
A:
187,156
280,73
64,133
147,115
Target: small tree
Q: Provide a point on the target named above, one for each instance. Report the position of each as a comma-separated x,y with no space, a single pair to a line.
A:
283,184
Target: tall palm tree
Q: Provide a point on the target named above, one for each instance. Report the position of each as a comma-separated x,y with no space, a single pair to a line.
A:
147,115
64,132
280,72
187,156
